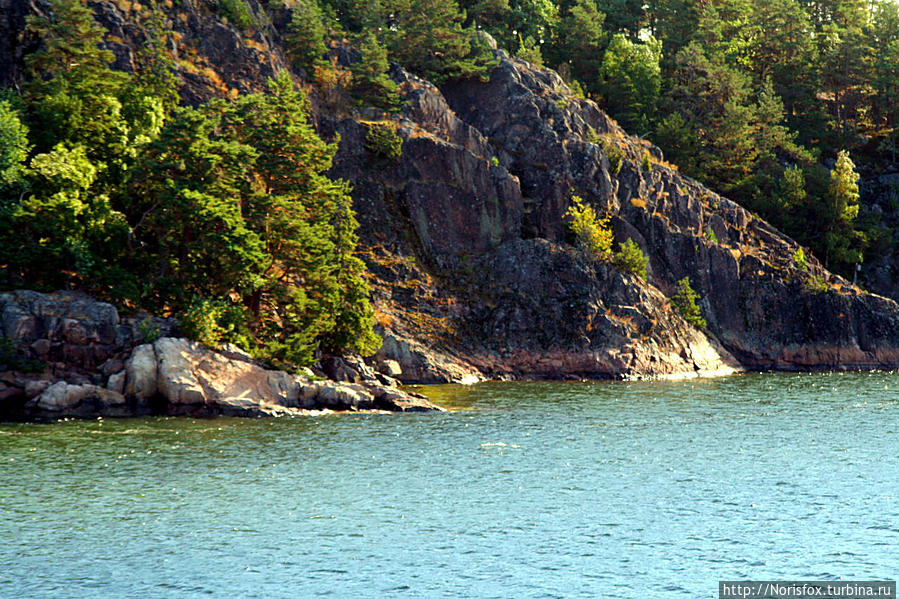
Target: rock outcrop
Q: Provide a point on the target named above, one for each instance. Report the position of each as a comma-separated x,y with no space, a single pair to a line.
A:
101,367
481,270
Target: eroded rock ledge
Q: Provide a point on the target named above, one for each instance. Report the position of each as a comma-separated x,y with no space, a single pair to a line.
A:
88,362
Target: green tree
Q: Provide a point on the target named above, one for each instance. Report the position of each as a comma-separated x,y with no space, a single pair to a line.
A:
65,229
14,148
684,301
312,284
630,259
73,95
429,39
632,80
580,44
624,16
185,202
592,233
306,35
154,77
843,206
370,81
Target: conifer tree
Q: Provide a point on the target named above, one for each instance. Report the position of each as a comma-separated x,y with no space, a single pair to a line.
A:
581,43
306,35
430,40
370,81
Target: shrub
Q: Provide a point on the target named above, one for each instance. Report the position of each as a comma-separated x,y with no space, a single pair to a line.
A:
593,234
630,259
592,136
237,12
646,162
12,359
214,321
383,140
710,235
800,259
616,158
684,301
494,161
816,284
148,330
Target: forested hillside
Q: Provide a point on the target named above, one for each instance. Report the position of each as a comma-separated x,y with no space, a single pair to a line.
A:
212,160
759,100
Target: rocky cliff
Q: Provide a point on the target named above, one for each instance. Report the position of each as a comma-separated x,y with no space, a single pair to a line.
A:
473,268
485,261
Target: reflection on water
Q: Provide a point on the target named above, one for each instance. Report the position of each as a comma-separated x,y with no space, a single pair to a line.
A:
613,489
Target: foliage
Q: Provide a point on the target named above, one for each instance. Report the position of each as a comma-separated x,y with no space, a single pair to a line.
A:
684,301
383,140
429,38
631,80
842,196
592,233
220,214
630,259
14,147
529,50
213,322
13,359
305,40
237,12
800,259
615,156
580,43
148,330
711,235
370,81
816,284
646,162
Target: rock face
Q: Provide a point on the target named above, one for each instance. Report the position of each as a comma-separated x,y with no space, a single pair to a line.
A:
481,274
110,376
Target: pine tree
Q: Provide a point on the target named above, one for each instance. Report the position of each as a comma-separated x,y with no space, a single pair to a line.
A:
73,95
370,81
430,40
580,44
306,35
631,81
684,301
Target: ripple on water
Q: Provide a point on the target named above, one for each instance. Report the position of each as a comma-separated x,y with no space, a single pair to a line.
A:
618,489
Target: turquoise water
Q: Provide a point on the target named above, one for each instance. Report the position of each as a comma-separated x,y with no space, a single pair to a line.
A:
525,490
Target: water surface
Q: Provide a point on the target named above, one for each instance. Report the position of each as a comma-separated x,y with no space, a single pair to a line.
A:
525,490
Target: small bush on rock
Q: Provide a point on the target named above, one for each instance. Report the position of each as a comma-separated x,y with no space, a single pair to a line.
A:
616,158
630,259
593,234
237,12
684,301
383,140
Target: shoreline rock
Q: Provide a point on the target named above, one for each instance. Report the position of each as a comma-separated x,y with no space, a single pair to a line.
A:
114,374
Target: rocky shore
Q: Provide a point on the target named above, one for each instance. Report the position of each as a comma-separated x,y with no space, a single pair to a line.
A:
68,356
